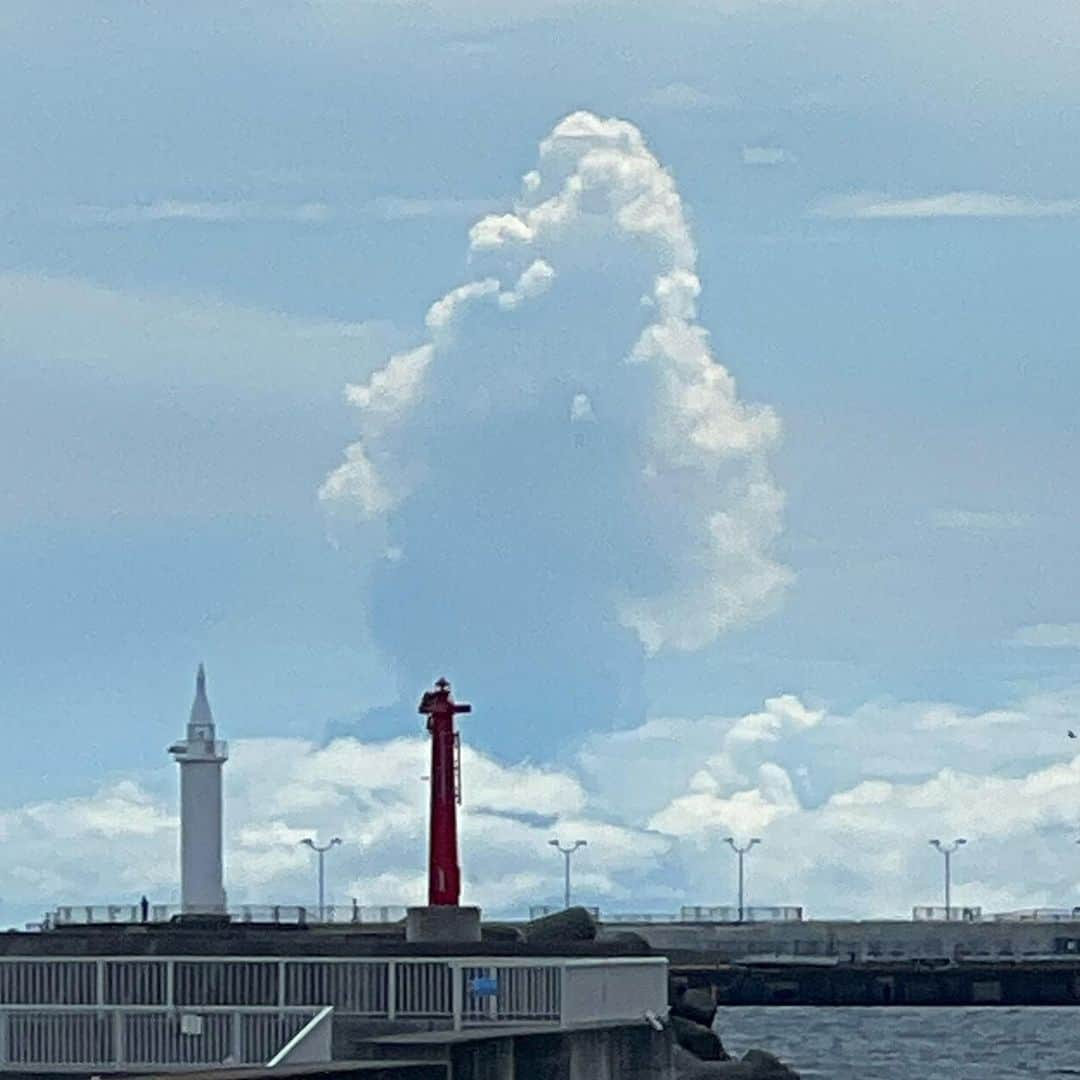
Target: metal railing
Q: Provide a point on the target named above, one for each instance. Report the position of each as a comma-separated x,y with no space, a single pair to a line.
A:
125,914
644,917
340,914
458,992
289,914
61,1037
721,914
929,913
754,913
1038,915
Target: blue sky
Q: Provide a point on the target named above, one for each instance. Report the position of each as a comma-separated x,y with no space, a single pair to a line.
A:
213,221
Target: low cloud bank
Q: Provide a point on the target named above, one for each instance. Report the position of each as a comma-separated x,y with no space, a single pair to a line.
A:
844,804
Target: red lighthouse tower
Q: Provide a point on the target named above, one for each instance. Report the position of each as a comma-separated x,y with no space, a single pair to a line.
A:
444,874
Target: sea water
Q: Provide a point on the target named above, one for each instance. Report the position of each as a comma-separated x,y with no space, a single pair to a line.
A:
910,1043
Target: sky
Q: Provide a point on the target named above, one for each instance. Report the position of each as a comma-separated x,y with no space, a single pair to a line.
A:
693,384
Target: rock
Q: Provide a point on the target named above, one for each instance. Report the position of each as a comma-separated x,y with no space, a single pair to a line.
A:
573,924
500,932
768,1066
756,1065
696,1005
701,1041
625,939
688,1067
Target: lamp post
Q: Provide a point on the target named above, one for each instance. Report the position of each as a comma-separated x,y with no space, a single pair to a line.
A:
321,852
741,852
947,850
566,852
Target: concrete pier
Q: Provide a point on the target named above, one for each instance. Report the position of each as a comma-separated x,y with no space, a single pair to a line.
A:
121,1000
332,1070
622,1052
627,1051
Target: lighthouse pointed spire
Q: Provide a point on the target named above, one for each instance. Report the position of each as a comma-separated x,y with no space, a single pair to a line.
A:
201,716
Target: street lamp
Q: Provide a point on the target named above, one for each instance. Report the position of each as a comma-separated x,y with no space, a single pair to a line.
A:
566,852
947,850
741,852
321,852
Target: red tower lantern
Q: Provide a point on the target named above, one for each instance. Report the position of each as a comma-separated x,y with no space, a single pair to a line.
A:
444,874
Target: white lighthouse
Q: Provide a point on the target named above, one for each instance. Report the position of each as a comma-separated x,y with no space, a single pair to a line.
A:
200,757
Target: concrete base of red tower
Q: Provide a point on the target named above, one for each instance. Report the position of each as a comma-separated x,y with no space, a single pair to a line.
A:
444,924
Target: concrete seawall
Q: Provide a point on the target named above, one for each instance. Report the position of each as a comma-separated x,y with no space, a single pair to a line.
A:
857,941
897,983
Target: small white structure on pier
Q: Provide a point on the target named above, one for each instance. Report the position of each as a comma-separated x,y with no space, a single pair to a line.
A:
200,757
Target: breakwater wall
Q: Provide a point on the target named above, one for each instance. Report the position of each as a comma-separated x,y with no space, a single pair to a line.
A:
869,941
922,983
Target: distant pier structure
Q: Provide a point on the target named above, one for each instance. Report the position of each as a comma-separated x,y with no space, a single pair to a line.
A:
201,757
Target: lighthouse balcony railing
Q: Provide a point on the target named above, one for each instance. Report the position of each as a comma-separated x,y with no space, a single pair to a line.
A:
449,991
200,749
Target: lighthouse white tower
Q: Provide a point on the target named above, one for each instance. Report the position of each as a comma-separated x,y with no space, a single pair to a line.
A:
200,757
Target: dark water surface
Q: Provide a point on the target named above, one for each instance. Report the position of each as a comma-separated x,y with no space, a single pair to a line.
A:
911,1044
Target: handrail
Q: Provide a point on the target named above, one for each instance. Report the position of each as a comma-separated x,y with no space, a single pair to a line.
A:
466,990
93,1038
480,960
203,1010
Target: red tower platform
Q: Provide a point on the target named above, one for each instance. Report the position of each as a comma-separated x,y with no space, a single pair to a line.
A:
444,873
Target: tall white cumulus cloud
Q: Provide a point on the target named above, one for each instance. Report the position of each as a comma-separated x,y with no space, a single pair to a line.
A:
589,295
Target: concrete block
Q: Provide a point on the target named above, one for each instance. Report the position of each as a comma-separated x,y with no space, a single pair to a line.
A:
442,925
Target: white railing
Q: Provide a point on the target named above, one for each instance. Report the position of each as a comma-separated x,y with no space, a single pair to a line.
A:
754,913
1037,915
457,991
339,914
507,991
290,914
639,917
773,913
711,913
686,914
930,913
61,1037
726,914
125,914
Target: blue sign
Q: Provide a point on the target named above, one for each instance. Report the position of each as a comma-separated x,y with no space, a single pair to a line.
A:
484,986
